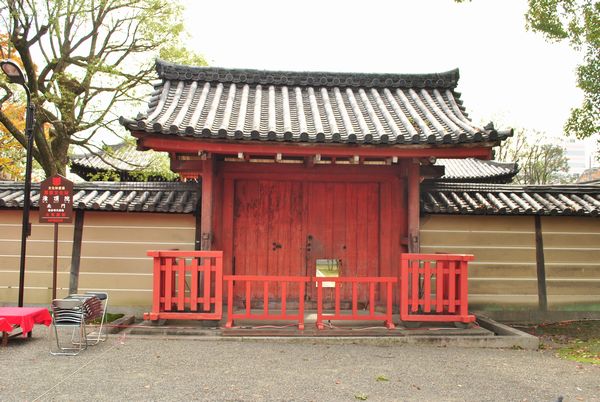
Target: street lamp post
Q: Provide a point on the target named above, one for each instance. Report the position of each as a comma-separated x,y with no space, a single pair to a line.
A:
15,75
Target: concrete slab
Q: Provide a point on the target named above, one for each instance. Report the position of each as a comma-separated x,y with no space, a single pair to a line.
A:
486,333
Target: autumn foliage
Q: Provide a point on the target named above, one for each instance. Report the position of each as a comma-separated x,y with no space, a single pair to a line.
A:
11,152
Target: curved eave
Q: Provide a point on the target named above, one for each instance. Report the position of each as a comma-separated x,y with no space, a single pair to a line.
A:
194,145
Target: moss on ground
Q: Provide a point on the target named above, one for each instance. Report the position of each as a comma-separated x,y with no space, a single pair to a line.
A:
573,340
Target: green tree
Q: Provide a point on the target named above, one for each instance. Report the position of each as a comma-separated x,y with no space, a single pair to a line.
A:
540,162
578,23
84,59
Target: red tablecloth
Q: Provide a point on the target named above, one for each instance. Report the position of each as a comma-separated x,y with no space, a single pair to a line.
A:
4,325
26,317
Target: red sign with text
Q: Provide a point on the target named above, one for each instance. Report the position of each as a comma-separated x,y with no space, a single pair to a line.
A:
56,200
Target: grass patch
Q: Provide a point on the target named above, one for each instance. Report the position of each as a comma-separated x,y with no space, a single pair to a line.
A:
108,317
573,340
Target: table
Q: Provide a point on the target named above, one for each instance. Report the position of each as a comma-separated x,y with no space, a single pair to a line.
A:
5,328
24,317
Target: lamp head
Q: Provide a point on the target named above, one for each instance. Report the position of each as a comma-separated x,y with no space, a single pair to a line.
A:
13,72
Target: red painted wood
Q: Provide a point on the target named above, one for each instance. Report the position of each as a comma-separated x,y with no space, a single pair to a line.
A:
451,286
230,302
439,286
180,269
170,287
168,283
206,267
404,293
427,286
268,282
194,286
269,220
413,206
156,290
464,292
206,224
450,274
354,315
226,232
414,269
194,145
317,173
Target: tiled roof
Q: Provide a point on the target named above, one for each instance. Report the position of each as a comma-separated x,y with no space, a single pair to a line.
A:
437,198
114,196
123,157
472,169
474,199
350,108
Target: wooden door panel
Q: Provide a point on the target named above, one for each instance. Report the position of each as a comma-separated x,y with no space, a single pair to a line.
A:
282,227
268,216
343,222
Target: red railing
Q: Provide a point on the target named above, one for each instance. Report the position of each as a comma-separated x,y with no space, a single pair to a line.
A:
268,282
187,285
434,287
355,314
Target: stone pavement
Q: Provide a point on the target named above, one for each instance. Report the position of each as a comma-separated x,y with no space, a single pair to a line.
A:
133,368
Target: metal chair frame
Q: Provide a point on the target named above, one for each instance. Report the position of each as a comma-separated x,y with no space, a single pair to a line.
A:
92,314
68,313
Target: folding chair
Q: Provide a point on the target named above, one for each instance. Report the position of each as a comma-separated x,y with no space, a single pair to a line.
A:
68,313
95,305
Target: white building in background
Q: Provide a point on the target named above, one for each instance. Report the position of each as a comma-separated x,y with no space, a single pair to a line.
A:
582,154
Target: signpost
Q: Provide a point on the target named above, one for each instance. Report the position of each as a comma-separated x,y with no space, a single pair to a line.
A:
56,206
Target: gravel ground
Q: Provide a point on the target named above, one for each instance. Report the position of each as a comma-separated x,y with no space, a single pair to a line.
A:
136,369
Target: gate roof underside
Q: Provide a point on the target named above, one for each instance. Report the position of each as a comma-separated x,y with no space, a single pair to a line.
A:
310,107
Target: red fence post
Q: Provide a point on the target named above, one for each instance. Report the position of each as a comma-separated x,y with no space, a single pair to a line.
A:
451,288
267,313
371,315
229,323
169,285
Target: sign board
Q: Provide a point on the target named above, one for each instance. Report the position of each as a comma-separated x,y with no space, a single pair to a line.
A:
56,200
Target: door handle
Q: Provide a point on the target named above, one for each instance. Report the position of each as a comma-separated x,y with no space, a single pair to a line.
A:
276,246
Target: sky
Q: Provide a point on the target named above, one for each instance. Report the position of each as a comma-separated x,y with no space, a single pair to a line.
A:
508,75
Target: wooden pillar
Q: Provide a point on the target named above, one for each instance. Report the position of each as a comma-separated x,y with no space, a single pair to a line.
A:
541,265
413,202
206,211
76,253
198,228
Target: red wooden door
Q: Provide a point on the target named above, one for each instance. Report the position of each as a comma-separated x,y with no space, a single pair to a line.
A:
282,227
343,224
268,217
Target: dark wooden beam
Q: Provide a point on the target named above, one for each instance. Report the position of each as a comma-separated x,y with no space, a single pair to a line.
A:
541,265
76,253
432,171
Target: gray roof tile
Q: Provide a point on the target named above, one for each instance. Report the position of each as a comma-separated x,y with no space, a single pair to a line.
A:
477,170
123,157
115,196
496,199
436,198
238,104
